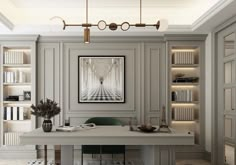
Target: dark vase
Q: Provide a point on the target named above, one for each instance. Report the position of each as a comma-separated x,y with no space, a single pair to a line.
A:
47,125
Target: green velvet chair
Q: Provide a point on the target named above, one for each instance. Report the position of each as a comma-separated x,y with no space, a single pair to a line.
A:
103,149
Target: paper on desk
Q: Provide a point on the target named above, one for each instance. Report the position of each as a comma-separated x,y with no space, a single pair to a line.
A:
75,128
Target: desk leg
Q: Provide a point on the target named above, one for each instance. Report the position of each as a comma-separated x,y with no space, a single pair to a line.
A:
158,155
45,154
67,155
57,154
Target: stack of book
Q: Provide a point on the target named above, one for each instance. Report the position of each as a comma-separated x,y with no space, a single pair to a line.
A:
182,95
183,114
14,113
186,80
183,57
14,57
14,77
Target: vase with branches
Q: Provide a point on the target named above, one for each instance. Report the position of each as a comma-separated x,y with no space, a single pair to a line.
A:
47,109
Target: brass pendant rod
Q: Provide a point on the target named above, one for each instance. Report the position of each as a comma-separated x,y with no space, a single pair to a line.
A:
140,11
90,25
86,11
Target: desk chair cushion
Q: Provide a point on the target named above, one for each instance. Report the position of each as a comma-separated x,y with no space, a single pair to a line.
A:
104,121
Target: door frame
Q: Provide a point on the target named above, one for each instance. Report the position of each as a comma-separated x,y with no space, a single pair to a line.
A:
217,157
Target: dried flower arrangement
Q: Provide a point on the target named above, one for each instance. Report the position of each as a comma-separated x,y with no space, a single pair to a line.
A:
46,109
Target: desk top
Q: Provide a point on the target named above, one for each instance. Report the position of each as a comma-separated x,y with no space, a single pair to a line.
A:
105,135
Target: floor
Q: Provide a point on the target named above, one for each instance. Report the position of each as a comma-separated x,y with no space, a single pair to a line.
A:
40,162
192,162
229,153
101,94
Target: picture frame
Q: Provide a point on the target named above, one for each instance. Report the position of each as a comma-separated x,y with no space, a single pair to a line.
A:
27,95
101,79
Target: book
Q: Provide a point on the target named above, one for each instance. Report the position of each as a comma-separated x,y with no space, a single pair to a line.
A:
5,113
8,113
14,113
21,113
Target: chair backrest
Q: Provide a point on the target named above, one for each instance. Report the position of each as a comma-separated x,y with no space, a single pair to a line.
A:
104,121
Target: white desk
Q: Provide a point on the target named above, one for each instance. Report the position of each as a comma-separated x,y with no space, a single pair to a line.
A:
157,148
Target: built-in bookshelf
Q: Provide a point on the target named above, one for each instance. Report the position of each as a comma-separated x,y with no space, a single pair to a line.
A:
185,87
184,83
18,71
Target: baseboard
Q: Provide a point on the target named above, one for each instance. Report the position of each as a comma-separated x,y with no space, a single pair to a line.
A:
189,155
208,156
193,155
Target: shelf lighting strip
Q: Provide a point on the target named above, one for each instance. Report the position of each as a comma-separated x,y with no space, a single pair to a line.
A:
183,86
189,68
15,85
18,50
184,104
183,50
183,122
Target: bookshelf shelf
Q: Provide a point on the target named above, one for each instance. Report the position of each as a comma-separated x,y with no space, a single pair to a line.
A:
185,102
17,65
183,122
16,84
17,102
27,121
184,66
185,84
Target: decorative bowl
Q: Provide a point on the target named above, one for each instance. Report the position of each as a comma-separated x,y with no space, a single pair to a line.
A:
146,129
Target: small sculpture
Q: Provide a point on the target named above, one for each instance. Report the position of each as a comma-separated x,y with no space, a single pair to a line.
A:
164,128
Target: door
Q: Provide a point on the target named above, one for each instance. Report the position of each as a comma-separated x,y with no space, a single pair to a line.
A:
226,101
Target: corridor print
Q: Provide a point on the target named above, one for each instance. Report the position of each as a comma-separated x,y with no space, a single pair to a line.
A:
101,79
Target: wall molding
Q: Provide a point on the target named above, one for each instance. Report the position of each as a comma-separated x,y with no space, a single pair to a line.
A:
6,22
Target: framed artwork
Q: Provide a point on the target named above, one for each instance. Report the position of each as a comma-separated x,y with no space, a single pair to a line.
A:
27,95
101,79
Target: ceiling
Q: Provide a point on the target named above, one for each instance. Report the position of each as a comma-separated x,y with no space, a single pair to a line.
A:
191,16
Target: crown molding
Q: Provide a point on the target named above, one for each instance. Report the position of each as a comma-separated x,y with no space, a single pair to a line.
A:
185,37
6,22
18,37
101,39
210,13
225,24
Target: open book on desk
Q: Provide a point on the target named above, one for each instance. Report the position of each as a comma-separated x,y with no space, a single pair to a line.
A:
75,128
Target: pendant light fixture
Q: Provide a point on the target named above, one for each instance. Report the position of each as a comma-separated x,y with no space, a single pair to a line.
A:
160,25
